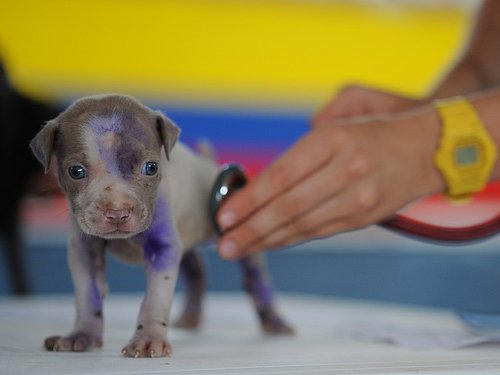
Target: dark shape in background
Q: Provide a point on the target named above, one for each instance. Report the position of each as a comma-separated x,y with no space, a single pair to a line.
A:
20,118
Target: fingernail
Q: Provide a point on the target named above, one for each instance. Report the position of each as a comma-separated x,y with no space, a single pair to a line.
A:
228,249
227,219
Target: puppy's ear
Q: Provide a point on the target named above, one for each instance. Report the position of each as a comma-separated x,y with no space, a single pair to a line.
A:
43,144
168,131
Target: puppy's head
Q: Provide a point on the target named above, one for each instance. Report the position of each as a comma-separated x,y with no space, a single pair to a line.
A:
108,153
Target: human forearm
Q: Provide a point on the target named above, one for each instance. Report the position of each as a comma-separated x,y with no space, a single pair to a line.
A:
477,68
463,79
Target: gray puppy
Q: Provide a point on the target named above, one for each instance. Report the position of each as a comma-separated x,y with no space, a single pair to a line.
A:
144,207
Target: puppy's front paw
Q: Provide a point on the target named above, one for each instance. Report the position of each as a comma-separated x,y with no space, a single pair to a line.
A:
147,347
76,342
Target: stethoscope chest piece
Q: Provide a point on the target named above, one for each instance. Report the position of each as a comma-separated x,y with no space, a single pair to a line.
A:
231,178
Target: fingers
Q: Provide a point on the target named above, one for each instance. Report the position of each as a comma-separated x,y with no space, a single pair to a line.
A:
298,209
283,208
339,214
307,156
331,209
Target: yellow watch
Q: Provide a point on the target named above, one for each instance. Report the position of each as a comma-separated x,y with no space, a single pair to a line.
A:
466,154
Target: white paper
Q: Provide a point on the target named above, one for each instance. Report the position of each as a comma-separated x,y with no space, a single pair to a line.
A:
416,337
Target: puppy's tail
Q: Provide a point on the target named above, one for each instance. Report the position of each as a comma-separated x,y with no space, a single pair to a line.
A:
205,148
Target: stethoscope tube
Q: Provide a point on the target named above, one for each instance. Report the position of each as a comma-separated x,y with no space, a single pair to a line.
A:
437,233
232,177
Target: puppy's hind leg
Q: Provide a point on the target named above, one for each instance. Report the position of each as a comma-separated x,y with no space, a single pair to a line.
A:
193,273
257,284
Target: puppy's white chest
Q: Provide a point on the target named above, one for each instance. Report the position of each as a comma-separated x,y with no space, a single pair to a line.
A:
127,250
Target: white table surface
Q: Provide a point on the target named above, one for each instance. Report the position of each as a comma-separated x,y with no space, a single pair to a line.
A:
229,342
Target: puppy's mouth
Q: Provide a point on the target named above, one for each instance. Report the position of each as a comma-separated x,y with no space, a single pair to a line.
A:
117,233
95,225
111,233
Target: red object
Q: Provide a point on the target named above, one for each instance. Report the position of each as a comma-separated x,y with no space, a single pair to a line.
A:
482,204
415,228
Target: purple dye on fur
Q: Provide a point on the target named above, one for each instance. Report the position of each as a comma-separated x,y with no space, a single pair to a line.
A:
161,249
101,126
95,296
256,281
122,156
94,247
105,124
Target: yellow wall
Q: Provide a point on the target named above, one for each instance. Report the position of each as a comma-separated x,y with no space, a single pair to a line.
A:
268,53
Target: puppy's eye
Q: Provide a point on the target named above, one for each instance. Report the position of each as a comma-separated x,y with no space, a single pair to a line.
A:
150,168
77,172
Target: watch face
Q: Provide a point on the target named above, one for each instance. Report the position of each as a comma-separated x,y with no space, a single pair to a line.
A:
467,155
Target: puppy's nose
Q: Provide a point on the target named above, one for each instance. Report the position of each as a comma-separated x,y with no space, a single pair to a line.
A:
117,216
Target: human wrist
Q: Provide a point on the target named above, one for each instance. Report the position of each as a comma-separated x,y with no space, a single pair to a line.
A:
416,134
427,135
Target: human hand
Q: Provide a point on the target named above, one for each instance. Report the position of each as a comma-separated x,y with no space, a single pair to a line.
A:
355,100
335,179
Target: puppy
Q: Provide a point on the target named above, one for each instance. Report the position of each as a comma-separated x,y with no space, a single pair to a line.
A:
142,205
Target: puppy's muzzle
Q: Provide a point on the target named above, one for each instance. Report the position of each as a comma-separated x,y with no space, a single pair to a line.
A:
114,216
